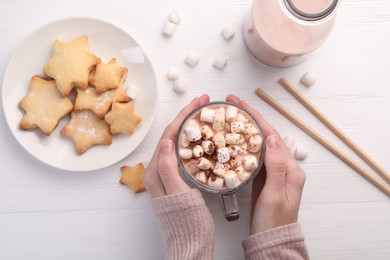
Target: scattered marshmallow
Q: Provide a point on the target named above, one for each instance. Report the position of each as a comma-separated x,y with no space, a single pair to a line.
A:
192,58
289,141
231,179
169,28
131,91
301,152
175,16
180,85
308,79
228,32
242,118
220,61
173,74
191,167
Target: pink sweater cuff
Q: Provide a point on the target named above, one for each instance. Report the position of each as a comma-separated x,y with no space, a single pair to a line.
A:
285,242
186,225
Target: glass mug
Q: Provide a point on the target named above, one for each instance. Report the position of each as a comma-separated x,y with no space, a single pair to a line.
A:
282,33
244,148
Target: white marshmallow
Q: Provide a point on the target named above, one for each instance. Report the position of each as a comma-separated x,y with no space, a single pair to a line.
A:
193,133
219,119
169,28
207,132
217,183
203,163
227,126
228,32
244,148
231,113
220,169
250,130
201,177
233,138
223,155
175,16
254,143
250,162
191,167
185,153
308,79
184,142
192,58
207,115
197,151
208,147
237,127
219,140
236,161
231,179
131,91
301,152
173,74
180,85
289,142
220,61
234,150
242,118
242,174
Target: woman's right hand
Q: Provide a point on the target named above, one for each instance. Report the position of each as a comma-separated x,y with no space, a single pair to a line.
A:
277,189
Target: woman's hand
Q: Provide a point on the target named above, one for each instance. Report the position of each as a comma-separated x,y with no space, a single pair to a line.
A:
277,189
162,174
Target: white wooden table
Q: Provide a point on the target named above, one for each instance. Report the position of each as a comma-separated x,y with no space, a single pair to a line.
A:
46,213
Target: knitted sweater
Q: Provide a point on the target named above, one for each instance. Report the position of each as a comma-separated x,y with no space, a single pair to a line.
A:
188,232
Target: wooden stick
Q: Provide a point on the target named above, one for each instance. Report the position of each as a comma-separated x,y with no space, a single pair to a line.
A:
324,142
337,131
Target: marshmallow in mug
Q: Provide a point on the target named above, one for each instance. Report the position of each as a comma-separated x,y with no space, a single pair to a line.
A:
225,146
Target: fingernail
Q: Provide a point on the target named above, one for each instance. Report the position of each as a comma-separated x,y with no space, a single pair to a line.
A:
272,143
166,146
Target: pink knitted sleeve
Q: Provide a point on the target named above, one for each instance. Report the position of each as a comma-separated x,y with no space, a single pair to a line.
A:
186,225
285,242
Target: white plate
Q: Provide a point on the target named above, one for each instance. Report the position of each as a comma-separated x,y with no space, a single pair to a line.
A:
106,41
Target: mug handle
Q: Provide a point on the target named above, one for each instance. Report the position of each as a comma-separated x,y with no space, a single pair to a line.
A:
229,206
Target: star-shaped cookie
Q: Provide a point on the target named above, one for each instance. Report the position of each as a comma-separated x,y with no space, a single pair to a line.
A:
44,106
86,129
132,177
71,64
108,76
99,104
122,118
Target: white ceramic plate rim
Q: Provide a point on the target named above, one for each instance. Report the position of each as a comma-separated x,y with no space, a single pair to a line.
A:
56,150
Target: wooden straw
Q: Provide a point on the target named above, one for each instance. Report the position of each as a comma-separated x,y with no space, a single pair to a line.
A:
324,142
337,131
